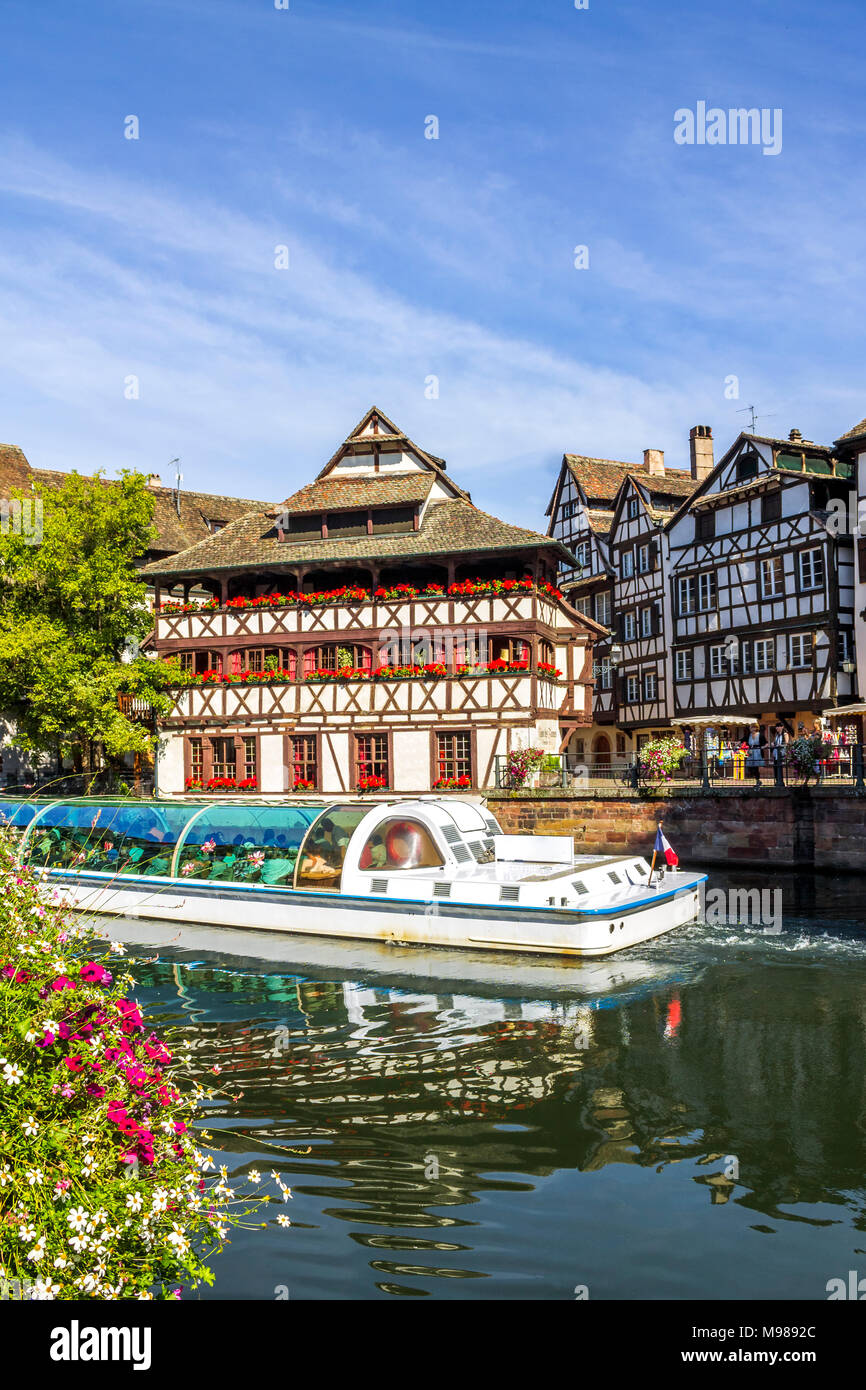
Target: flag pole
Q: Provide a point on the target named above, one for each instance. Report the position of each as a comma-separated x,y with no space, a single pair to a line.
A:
653,864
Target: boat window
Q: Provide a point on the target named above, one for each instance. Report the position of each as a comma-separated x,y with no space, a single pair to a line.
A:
401,844
110,838
321,857
15,816
245,844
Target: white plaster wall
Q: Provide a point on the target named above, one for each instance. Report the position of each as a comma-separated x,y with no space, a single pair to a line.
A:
169,763
273,776
411,770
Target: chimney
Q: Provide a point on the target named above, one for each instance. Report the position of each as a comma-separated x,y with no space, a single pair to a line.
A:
154,480
701,451
796,437
654,462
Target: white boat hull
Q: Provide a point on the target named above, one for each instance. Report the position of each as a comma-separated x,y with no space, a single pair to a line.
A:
550,931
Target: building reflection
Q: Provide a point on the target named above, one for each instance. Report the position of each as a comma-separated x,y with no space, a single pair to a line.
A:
401,1110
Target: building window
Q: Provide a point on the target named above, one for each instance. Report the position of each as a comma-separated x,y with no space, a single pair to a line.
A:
251,762
371,758
568,510
583,605
745,658
223,757
633,508
304,761
335,656
705,526
646,622
643,559
620,744
684,666
627,564
454,755
772,577
581,554
196,759
628,627
603,608
765,654
717,661
632,690
843,645
800,649
707,591
686,595
747,467
650,685
771,506
811,569
602,673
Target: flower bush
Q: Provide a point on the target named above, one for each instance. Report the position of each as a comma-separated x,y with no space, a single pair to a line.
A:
304,784
103,1193
660,758
521,763
353,593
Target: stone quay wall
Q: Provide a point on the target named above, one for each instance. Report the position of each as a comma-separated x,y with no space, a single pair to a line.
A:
792,828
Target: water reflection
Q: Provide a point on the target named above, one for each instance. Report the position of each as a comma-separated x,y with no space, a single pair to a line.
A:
647,1138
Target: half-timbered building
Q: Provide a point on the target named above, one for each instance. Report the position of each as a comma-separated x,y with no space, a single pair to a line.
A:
612,514
377,629
762,584
851,449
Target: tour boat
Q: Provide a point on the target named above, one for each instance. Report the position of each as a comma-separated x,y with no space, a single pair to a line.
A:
432,870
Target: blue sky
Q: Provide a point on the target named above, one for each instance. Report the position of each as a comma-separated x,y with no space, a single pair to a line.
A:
412,258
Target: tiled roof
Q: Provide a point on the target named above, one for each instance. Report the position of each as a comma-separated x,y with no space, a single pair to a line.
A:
335,493
448,528
601,479
174,531
854,432
14,469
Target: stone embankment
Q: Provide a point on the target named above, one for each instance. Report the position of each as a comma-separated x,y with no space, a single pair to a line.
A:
793,827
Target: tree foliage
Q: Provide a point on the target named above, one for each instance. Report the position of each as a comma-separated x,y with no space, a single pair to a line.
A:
73,610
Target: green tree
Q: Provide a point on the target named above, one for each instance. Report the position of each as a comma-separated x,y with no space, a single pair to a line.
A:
73,610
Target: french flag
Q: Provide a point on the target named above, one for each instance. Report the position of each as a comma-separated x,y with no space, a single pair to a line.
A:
663,848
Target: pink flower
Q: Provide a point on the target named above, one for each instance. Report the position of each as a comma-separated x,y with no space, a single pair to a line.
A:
62,982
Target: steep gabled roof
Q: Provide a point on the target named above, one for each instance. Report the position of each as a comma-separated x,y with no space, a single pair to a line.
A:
369,432
601,479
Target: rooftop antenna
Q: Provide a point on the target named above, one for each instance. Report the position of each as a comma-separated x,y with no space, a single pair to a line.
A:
178,479
755,417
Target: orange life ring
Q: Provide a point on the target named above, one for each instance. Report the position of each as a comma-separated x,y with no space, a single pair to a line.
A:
406,831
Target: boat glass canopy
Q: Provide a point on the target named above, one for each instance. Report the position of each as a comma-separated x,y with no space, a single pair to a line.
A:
400,844
244,844
137,837
323,852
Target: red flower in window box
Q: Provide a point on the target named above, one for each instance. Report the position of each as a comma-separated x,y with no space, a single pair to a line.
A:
193,784
303,784
248,784
545,668
452,783
372,784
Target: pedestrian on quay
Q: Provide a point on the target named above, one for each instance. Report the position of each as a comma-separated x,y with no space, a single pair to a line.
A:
755,755
781,739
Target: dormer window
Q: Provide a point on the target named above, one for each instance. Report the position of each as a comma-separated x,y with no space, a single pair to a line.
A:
633,508
214,526
747,467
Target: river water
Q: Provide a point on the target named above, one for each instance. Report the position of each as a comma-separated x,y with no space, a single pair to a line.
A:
682,1121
